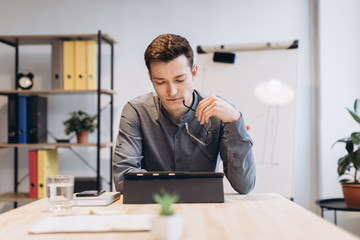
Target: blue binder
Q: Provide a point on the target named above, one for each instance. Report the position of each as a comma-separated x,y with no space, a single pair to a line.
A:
22,119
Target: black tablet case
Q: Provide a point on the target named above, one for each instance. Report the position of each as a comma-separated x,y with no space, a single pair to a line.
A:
192,187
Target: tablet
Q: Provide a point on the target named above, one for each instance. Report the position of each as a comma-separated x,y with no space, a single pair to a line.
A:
192,187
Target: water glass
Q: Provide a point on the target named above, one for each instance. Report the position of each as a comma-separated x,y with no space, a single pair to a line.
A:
60,189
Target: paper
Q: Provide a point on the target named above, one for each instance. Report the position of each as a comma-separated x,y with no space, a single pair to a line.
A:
94,223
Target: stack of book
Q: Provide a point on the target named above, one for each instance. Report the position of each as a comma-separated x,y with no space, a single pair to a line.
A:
42,163
73,65
27,119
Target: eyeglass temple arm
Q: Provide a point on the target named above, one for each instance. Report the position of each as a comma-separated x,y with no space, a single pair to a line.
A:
188,106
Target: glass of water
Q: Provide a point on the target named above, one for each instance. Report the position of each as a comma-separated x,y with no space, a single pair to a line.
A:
60,189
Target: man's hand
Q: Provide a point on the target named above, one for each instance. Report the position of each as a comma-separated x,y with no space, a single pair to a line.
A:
216,106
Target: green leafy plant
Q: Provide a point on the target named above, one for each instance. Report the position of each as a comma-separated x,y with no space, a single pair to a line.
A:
80,121
166,200
349,165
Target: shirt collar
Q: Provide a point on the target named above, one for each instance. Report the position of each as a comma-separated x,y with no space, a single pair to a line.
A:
190,114
184,118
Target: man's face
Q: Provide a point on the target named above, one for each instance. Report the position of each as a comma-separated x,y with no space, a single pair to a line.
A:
174,82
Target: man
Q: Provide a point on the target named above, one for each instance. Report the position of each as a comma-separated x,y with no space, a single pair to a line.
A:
178,128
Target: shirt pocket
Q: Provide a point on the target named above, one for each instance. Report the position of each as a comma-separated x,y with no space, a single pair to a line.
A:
202,139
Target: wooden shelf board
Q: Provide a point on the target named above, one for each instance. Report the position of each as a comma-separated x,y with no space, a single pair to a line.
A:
53,145
54,91
48,39
15,197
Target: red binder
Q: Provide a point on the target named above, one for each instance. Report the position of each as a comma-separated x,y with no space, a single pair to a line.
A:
33,173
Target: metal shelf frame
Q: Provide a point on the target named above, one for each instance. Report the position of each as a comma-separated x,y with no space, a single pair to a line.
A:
16,41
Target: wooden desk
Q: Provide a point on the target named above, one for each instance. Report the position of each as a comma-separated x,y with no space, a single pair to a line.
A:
255,216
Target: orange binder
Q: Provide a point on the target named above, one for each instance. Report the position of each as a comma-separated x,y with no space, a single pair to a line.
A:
68,65
48,165
91,65
32,173
80,65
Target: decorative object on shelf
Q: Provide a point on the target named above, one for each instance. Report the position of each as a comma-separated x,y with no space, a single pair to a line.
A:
25,81
349,165
82,124
167,226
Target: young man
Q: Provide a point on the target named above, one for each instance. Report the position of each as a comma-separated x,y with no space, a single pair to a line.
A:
178,128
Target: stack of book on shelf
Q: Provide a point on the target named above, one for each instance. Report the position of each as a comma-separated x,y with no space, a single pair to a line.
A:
27,119
42,163
73,65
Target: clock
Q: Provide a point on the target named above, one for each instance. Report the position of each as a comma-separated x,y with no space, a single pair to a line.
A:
24,81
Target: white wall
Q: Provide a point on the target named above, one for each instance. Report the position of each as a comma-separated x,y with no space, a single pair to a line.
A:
135,23
340,85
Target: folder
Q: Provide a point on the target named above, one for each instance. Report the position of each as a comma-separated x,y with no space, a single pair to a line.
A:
32,173
68,65
57,65
47,165
80,65
22,119
12,118
37,119
91,65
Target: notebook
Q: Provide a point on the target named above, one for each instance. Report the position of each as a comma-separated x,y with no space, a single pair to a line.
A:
93,223
104,199
192,187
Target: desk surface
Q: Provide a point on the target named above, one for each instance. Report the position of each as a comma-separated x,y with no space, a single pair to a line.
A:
254,216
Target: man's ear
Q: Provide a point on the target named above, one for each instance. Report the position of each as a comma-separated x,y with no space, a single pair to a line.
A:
194,71
149,75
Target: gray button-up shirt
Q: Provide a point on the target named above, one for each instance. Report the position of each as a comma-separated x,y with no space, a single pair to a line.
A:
148,140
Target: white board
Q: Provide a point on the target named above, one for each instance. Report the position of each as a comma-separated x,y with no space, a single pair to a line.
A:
271,128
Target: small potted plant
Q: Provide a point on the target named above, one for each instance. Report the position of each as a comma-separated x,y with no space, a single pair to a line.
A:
167,226
82,124
349,165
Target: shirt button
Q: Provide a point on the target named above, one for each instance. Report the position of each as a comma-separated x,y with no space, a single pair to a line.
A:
177,160
235,155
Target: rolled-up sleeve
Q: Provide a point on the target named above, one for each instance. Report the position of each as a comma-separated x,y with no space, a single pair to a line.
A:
236,154
128,148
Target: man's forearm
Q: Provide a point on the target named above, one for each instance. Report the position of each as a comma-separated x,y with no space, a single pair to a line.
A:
236,153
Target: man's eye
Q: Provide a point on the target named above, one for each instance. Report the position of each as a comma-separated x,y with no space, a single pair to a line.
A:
159,83
180,79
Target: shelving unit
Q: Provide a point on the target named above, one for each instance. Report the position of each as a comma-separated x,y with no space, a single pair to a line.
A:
15,42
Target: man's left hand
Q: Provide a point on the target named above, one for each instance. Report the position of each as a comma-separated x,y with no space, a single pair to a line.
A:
218,107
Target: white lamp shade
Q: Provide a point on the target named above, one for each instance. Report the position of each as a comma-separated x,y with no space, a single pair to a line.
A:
274,92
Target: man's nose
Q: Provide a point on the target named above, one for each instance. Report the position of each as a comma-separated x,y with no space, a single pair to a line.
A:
172,90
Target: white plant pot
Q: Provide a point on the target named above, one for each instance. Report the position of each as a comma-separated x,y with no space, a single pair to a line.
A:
167,227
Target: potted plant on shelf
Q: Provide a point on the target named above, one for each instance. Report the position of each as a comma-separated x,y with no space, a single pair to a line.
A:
82,124
167,226
349,165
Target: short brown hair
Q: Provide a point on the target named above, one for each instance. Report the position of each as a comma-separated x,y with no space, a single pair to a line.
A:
167,47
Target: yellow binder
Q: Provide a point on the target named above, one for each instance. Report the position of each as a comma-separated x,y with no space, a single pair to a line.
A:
68,65
47,165
80,65
91,65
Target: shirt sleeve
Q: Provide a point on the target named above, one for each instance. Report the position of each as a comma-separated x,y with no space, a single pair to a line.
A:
128,148
236,154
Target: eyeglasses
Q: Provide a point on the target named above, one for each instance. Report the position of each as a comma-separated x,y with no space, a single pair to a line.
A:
206,126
